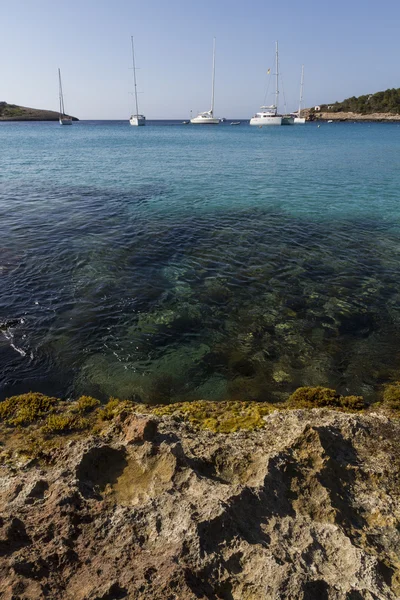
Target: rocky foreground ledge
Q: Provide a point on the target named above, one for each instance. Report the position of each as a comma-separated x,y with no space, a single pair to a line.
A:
128,502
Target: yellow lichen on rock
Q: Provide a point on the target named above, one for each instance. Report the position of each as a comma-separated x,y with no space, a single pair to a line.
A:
144,479
26,408
86,404
113,407
391,396
319,397
219,417
64,422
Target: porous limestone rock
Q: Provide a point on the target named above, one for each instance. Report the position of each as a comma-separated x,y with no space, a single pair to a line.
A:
306,508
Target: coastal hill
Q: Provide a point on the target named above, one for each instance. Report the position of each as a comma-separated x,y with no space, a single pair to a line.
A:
13,112
381,106
381,102
202,500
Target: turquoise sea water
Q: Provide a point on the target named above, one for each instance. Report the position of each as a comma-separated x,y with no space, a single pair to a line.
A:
177,262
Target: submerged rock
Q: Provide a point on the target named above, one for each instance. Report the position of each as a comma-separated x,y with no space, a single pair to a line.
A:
154,507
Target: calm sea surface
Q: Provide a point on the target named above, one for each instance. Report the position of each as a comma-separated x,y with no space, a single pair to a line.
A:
176,262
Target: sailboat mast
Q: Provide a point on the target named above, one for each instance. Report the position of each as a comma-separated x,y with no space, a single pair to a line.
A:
213,81
277,76
134,76
301,88
62,111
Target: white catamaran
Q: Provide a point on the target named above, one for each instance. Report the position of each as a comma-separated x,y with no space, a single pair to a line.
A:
136,120
207,118
269,114
298,119
63,118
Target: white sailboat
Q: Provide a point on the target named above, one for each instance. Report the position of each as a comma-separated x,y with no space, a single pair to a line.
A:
136,120
268,115
207,117
298,119
63,118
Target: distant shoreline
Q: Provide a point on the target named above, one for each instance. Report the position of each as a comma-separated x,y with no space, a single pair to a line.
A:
350,116
13,112
38,115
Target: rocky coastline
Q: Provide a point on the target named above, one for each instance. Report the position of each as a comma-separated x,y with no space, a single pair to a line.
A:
202,500
13,112
352,117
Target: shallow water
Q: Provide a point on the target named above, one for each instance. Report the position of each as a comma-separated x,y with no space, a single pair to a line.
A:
174,262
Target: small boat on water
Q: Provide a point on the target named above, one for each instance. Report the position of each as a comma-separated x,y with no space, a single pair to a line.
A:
63,118
235,123
188,120
298,119
207,117
136,120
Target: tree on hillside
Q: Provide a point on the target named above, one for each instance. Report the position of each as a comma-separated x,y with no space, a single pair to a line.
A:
381,102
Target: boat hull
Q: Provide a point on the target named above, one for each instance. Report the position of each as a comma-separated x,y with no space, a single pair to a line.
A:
204,121
137,121
64,121
266,121
299,120
287,121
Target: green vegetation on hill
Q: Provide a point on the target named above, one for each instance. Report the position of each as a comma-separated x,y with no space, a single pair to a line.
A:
10,110
381,102
13,112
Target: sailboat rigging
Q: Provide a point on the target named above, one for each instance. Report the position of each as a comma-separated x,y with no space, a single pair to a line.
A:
136,119
63,118
207,117
298,119
268,115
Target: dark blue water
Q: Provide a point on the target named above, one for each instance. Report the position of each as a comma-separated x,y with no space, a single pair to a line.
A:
176,262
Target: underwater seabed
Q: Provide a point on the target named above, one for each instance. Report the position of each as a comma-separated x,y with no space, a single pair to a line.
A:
246,304
240,311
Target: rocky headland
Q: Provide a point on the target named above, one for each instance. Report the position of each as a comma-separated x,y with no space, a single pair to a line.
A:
352,117
202,500
13,112
379,106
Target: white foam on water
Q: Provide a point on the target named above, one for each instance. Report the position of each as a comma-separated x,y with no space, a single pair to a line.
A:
9,336
19,350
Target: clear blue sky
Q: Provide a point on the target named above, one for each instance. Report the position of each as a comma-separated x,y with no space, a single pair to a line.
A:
348,48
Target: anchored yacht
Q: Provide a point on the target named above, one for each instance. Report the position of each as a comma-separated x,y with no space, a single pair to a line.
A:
63,118
298,119
207,117
268,115
136,120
